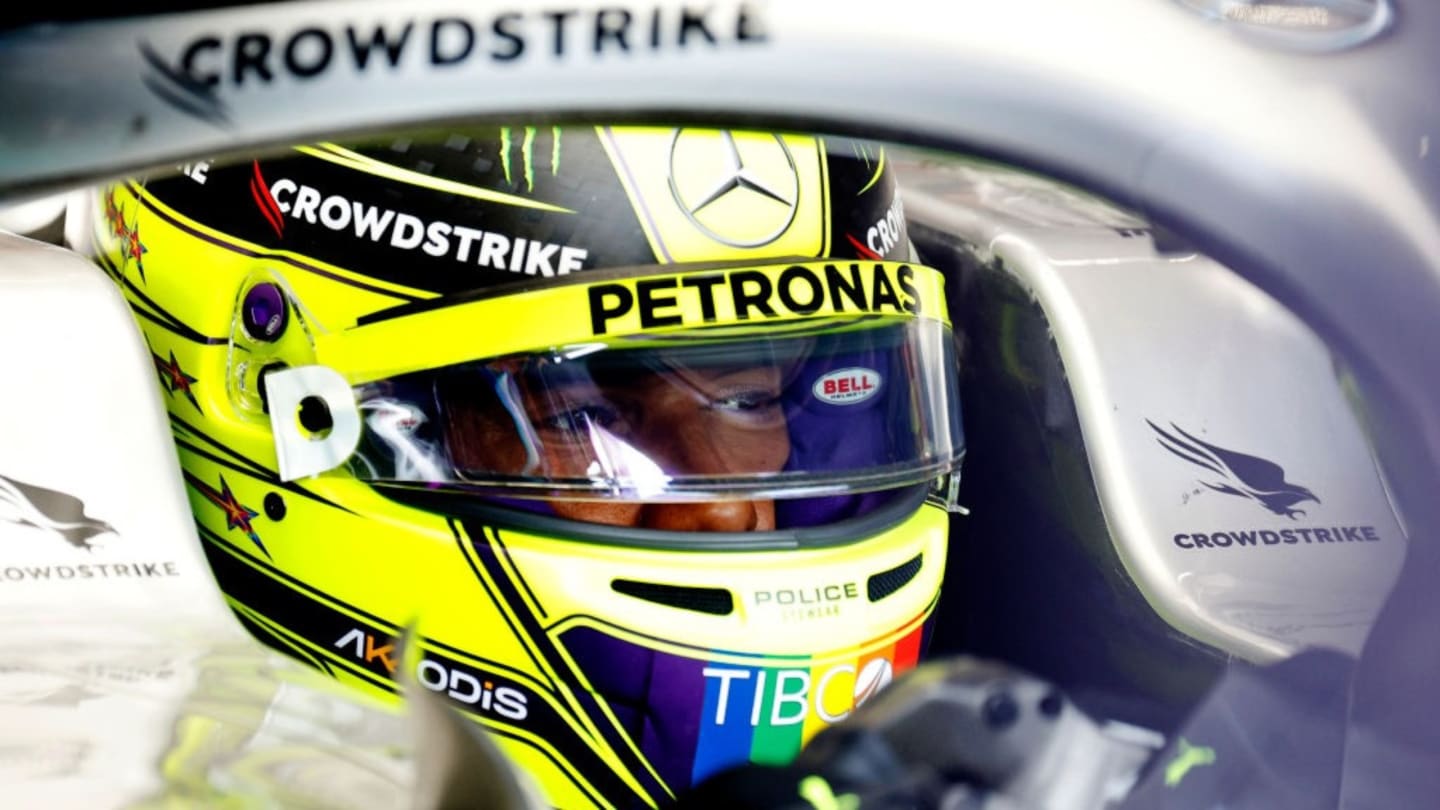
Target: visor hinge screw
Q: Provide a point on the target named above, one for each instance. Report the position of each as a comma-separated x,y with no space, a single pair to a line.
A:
264,313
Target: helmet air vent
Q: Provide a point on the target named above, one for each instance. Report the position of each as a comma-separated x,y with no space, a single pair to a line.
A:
715,601
885,583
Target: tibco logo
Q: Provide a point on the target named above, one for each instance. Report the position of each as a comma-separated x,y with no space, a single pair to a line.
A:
873,677
796,692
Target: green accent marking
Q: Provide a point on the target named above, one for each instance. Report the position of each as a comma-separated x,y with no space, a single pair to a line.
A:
1189,756
505,151
554,151
879,170
527,149
772,744
817,791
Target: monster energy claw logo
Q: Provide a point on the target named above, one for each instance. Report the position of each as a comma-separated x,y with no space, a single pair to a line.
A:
874,157
527,154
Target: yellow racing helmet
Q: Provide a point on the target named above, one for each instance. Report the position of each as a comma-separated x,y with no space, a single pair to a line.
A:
650,433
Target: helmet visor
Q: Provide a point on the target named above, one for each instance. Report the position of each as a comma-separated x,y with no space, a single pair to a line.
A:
809,408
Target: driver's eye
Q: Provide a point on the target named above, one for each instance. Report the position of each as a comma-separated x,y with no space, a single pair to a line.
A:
580,420
752,408
755,401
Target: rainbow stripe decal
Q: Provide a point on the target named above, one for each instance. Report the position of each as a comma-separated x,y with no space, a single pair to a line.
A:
692,717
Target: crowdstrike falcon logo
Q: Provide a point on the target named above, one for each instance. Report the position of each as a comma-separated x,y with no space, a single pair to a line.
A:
1235,473
181,90
764,179
265,201
52,511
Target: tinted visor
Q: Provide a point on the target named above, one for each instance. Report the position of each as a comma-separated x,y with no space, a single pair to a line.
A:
808,409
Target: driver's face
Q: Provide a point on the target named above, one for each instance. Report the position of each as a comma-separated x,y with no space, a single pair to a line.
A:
703,420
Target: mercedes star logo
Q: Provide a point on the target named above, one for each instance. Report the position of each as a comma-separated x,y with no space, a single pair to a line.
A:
752,198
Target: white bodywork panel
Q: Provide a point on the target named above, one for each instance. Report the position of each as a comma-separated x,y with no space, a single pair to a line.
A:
84,443
1191,385
124,678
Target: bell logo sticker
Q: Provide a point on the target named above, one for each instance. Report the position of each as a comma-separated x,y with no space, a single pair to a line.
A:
847,386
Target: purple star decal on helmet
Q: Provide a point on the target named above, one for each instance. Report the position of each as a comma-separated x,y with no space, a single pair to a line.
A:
1235,473
237,515
175,378
113,217
132,249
